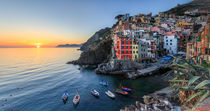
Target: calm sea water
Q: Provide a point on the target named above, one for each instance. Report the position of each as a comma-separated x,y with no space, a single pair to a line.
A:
34,79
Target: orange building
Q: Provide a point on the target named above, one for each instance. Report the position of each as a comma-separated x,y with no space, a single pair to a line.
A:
199,47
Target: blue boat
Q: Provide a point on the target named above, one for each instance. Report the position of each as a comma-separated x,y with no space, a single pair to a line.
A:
65,96
126,89
104,83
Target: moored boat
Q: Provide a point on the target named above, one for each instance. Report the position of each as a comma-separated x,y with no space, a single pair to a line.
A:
104,83
126,89
110,94
119,91
65,96
76,99
95,93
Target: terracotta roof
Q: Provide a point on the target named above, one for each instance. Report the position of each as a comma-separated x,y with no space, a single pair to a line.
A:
173,30
155,29
169,33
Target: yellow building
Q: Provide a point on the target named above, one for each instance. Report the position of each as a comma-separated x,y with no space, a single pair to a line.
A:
157,21
181,23
135,51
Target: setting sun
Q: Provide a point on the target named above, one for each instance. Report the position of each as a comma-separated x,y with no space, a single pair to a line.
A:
38,45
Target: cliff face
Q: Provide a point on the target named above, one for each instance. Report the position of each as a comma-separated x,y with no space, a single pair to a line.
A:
97,49
196,4
94,40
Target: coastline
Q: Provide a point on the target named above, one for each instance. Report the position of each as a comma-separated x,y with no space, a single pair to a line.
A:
159,100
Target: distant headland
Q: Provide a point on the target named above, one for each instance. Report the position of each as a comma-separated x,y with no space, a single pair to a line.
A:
69,45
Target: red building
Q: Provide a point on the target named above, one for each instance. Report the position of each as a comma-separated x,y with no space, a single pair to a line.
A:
123,47
153,47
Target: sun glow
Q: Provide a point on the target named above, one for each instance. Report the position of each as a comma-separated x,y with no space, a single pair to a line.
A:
38,45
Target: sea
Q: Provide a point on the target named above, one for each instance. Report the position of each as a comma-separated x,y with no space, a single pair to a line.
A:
34,79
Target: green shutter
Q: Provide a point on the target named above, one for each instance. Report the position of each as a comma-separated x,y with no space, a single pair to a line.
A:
206,51
199,39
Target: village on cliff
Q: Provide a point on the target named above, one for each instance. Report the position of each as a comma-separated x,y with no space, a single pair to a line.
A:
142,45
142,37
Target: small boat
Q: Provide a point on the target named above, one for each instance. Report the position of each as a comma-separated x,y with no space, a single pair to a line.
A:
121,92
126,89
104,83
95,93
65,96
110,94
76,99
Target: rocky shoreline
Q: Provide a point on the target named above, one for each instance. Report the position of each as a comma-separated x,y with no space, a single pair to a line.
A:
162,100
130,69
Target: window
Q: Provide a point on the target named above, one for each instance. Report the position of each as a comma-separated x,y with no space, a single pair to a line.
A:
126,46
170,40
131,42
166,40
166,43
123,52
133,47
136,47
122,47
122,42
130,46
126,51
131,52
136,51
127,42
170,43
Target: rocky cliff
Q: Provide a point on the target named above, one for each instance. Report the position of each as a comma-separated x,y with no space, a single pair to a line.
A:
95,39
96,50
195,4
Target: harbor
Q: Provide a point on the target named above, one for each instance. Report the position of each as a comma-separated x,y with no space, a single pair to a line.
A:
56,77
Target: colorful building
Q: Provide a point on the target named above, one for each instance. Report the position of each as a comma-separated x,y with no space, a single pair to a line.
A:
143,50
170,42
135,50
199,47
123,47
180,23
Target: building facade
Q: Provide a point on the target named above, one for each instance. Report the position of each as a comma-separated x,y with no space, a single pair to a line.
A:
170,43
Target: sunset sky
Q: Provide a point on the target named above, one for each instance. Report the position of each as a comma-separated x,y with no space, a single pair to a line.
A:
24,23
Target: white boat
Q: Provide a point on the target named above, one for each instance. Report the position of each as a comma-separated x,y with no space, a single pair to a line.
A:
76,99
110,94
95,93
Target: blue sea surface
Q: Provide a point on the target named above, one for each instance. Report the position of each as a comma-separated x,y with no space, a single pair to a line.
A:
34,79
